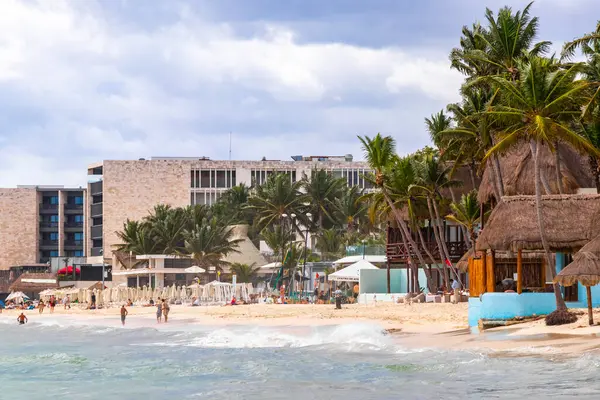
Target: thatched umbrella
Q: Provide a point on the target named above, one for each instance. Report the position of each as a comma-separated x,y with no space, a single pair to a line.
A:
463,263
585,268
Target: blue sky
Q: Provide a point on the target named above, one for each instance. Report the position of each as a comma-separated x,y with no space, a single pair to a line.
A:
83,81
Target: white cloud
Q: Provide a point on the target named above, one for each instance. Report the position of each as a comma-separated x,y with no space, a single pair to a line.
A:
55,55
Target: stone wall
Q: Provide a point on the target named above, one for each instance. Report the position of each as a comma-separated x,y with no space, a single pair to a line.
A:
18,227
131,189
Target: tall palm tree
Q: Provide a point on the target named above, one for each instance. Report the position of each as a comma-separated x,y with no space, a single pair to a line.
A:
167,227
467,213
321,189
585,43
209,243
276,237
276,197
540,108
509,38
136,239
472,42
233,205
380,153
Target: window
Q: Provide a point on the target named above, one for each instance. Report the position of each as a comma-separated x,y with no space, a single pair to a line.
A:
54,218
97,221
78,218
53,235
78,236
54,200
54,253
78,253
205,179
221,180
78,200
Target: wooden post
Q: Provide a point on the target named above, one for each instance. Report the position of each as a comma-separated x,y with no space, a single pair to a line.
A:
589,301
484,272
520,271
490,278
544,274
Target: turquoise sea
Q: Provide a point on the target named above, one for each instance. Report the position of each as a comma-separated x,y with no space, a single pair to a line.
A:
62,358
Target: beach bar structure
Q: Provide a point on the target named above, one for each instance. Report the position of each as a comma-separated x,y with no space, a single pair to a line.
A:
510,247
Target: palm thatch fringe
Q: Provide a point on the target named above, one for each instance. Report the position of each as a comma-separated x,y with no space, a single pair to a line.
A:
518,172
571,222
585,267
463,263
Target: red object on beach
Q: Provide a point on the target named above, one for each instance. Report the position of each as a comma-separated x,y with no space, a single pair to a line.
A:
68,270
317,275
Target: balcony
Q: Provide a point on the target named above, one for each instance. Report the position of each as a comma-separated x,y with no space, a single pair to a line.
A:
96,232
96,188
49,208
47,226
96,251
73,208
48,243
96,210
399,253
73,226
73,243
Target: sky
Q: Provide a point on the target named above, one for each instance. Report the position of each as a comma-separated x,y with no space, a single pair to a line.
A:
88,80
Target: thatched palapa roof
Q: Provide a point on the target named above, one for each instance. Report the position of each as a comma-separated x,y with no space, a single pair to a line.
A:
571,221
517,168
585,267
29,282
463,263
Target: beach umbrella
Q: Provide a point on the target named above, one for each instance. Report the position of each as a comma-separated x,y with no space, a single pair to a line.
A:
584,269
18,297
194,269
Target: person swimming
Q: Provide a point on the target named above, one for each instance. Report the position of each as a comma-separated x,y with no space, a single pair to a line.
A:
22,319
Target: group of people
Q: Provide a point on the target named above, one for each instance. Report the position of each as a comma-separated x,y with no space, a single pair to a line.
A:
162,310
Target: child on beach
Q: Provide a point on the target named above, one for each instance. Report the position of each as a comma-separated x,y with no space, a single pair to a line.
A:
124,313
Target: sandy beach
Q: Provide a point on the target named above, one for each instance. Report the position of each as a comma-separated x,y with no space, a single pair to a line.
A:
442,326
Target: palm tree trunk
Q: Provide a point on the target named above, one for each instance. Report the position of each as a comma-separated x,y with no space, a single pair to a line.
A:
472,174
403,227
545,183
428,271
594,165
494,180
559,182
436,234
498,171
535,151
462,227
412,265
443,240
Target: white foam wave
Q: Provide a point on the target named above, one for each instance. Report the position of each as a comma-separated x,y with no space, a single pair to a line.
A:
348,337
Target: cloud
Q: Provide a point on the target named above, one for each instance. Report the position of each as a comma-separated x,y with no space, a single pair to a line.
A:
80,85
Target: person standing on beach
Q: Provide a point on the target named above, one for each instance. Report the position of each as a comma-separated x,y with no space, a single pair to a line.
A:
52,304
165,310
124,313
158,311
41,306
93,304
456,288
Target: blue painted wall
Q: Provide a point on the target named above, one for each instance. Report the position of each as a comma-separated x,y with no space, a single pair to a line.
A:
509,305
375,280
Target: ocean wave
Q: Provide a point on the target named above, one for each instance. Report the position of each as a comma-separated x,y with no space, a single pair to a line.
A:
348,336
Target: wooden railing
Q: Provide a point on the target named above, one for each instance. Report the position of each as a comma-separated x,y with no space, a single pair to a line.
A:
399,253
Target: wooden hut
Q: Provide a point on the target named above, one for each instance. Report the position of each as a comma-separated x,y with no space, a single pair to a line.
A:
517,169
33,283
571,221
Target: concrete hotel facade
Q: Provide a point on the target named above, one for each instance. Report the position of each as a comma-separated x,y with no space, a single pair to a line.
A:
130,189
40,222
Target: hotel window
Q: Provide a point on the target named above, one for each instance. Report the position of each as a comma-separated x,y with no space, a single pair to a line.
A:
53,235
78,218
78,253
78,200
78,236
53,253
54,218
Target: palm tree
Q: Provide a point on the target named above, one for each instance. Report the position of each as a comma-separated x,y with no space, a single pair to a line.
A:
136,238
321,189
209,243
586,43
233,205
275,198
509,38
349,210
330,243
467,213
167,226
541,108
431,178
471,42
277,236
244,273
380,155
